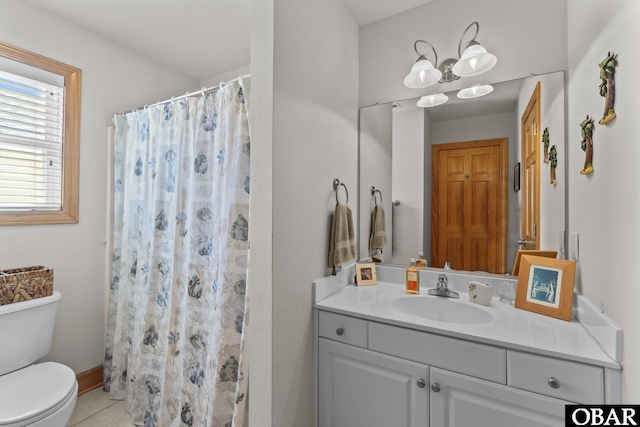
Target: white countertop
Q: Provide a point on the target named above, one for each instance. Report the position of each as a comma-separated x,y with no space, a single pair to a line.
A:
510,327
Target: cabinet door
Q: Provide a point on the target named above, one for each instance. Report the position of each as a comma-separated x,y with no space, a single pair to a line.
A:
360,388
462,401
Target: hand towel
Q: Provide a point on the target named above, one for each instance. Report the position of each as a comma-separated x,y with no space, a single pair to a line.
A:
378,236
342,246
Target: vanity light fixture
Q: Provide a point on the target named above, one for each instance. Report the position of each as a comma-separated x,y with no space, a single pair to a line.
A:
432,100
423,73
475,91
474,61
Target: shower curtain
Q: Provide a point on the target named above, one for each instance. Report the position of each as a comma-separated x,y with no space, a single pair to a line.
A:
177,315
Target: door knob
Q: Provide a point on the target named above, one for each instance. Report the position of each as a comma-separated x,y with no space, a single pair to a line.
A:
421,383
522,242
435,387
340,331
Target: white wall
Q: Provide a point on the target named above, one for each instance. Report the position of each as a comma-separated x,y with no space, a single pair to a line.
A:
604,206
260,275
526,36
314,95
375,162
113,80
428,184
408,183
475,128
552,197
488,127
226,76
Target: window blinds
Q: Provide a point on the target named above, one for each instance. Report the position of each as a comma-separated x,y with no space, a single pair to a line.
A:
31,130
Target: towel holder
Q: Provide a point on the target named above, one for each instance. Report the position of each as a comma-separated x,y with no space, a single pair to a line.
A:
336,184
374,190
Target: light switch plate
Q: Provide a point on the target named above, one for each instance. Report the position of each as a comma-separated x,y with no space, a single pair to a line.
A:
561,247
574,246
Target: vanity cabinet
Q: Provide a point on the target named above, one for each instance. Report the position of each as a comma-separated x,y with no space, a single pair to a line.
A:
358,387
372,374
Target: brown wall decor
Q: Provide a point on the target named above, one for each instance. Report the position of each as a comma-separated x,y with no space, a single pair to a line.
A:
553,159
586,127
607,87
545,141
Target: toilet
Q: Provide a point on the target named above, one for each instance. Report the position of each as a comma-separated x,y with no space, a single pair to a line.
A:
33,394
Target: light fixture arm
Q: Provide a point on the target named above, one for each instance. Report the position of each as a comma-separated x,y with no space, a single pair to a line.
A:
473,39
423,55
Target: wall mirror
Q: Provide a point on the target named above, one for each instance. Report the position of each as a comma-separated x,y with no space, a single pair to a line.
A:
476,219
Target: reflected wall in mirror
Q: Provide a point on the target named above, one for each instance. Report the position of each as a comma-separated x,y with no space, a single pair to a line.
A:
395,155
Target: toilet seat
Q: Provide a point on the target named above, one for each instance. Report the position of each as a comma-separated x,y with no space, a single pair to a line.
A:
35,392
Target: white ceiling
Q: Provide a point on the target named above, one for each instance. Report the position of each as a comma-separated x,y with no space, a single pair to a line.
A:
200,38
366,11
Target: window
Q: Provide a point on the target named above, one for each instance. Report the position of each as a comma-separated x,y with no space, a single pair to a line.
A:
39,139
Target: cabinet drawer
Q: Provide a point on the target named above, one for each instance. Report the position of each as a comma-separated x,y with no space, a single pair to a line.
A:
566,380
348,330
478,360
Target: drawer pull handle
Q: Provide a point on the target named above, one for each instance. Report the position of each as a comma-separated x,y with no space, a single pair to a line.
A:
553,383
435,387
340,331
422,383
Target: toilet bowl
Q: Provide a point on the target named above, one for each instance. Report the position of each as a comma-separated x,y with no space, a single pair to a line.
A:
38,395
33,394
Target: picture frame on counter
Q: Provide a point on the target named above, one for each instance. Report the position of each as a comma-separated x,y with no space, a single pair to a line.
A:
545,286
366,274
534,252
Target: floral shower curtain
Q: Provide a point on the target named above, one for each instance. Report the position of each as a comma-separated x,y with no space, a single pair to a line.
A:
177,317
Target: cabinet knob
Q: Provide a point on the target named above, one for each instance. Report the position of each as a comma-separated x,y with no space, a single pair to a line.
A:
435,387
340,331
553,382
421,383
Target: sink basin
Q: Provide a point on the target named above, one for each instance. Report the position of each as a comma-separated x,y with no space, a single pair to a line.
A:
441,309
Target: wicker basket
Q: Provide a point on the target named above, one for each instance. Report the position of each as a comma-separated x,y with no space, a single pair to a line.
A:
22,284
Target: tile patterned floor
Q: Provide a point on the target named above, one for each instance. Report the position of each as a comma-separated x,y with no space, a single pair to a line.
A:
95,409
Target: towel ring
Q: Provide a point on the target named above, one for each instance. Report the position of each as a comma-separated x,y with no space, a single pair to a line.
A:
336,184
373,193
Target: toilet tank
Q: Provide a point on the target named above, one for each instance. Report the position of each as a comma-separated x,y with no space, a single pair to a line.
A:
26,329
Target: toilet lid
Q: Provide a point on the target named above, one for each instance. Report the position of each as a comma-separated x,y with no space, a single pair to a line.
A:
30,391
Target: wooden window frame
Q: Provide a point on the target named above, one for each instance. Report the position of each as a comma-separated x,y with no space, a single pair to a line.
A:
68,214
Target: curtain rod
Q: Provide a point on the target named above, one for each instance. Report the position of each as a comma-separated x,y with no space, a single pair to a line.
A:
188,94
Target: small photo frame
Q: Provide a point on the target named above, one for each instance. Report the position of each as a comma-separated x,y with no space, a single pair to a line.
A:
366,274
516,264
545,286
516,177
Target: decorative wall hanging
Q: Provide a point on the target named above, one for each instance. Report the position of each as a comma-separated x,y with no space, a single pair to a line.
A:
553,159
587,145
545,141
607,87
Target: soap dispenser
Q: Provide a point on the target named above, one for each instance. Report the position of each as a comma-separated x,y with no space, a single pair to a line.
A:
413,278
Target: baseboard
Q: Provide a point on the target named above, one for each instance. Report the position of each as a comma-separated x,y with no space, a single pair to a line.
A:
89,380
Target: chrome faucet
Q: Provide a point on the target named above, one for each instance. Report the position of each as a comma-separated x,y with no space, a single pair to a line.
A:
442,288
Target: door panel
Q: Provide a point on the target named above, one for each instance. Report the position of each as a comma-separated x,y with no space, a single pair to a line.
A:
469,209
360,388
530,214
464,401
